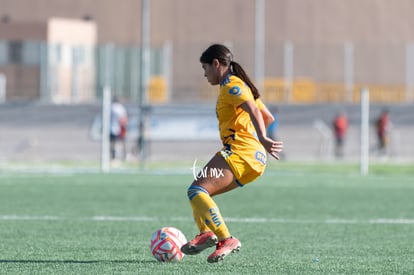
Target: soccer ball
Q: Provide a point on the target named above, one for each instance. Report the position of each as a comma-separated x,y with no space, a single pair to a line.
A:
166,244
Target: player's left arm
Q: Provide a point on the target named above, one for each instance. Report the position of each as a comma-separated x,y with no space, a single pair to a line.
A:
271,146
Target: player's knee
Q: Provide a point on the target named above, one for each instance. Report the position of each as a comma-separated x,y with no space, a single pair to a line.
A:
189,191
194,190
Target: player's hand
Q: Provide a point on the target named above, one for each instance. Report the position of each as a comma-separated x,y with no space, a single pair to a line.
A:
273,147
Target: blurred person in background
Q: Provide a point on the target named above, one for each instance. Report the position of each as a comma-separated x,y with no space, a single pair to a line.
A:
118,129
340,127
242,119
383,126
272,129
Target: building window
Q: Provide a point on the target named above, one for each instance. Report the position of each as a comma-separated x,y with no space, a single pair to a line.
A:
3,53
15,52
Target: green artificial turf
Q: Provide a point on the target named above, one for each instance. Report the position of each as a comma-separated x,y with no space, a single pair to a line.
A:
296,219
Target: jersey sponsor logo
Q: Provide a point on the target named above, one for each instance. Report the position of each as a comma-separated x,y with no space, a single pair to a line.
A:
235,91
260,157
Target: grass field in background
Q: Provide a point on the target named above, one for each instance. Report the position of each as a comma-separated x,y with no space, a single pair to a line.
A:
296,219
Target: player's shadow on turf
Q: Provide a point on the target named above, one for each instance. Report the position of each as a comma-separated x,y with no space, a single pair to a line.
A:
77,261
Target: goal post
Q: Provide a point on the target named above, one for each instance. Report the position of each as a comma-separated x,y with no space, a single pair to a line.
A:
364,138
106,117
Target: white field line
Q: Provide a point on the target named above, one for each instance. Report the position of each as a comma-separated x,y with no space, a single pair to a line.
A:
227,219
28,218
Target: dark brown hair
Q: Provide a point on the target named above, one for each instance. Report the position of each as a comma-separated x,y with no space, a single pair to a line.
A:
225,57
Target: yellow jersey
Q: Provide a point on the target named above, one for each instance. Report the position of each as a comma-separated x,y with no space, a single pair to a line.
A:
237,132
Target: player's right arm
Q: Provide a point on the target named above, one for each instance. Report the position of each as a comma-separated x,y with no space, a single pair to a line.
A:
271,146
268,118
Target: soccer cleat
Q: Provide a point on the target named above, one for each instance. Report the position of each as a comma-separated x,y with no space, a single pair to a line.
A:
199,243
224,248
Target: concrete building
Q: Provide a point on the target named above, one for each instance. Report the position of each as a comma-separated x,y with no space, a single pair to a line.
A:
37,59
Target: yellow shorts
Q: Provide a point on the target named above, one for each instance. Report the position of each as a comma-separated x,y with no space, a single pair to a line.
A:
245,171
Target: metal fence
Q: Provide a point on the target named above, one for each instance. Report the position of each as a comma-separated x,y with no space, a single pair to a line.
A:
292,73
59,73
316,73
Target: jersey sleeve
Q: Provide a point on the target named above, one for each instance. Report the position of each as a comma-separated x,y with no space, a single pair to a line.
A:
259,104
237,94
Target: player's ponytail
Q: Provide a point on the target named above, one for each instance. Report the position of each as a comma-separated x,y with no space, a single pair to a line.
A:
225,57
238,71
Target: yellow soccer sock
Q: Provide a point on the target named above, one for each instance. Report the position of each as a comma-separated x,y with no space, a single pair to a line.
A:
205,209
201,225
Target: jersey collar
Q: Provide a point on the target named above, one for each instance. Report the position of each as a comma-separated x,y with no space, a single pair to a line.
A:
226,80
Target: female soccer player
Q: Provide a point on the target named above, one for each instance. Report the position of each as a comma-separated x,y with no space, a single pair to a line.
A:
242,119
